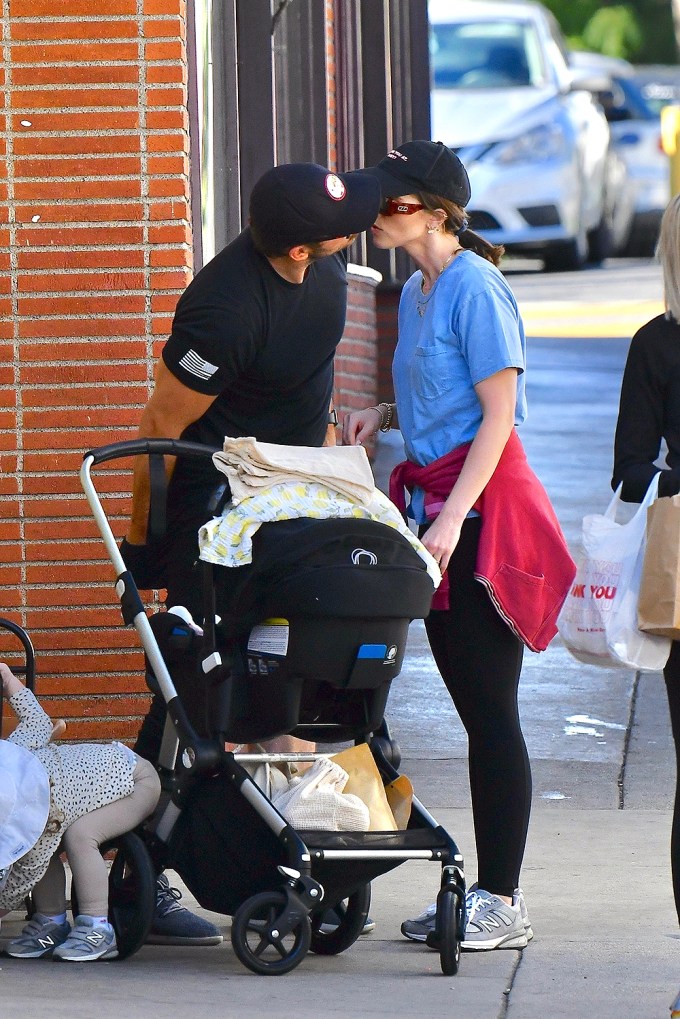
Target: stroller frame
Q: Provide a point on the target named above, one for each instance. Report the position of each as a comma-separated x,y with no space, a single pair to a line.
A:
273,929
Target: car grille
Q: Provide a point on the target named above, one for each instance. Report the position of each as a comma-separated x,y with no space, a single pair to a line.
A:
541,215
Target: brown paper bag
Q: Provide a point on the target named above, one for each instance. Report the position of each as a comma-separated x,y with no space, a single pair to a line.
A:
399,794
366,782
659,601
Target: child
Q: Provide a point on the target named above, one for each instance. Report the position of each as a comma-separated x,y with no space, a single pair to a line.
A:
63,798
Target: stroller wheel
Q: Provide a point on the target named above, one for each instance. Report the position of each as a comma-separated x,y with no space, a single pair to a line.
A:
132,892
449,907
258,943
352,913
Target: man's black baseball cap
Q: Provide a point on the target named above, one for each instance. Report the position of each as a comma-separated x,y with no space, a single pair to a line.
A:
302,203
422,166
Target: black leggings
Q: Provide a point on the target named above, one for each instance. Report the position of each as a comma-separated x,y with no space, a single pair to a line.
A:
480,660
671,674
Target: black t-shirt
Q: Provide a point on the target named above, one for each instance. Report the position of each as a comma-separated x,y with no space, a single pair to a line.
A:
264,346
649,411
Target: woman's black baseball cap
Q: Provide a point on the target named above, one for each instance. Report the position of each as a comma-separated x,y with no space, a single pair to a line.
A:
303,203
422,166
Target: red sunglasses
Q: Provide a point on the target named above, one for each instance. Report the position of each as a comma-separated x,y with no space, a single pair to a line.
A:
394,207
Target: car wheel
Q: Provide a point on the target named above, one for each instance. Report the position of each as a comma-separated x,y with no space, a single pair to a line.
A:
600,242
566,255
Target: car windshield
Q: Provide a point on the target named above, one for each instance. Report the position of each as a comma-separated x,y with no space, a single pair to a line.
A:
485,54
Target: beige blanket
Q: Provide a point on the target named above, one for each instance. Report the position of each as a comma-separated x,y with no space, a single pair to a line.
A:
252,466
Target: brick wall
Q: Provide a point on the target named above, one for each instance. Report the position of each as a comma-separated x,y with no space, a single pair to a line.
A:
95,245
356,362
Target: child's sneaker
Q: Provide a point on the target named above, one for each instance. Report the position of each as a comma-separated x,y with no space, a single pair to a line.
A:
492,923
88,942
518,900
418,928
39,938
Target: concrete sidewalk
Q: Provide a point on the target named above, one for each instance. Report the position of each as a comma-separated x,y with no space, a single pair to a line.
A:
597,883
596,873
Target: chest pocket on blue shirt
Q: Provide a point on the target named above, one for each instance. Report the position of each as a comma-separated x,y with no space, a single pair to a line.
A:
432,372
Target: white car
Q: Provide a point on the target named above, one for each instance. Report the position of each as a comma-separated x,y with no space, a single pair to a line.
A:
533,139
635,128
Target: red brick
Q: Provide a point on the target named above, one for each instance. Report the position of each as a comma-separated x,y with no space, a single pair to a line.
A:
119,120
63,30
83,213
53,306
75,53
164,73
82,259
77,190
86,166
69,74
60,144
63,99
67,328
173,50
86,236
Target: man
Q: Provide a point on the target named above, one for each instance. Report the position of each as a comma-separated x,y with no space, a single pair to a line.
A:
250,353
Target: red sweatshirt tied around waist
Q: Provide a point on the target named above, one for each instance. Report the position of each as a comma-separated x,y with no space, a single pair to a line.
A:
523,559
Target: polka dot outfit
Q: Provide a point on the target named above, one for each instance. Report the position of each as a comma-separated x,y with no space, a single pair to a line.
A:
82,777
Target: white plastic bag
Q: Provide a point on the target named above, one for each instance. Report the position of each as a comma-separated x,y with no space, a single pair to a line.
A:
316,800
598,621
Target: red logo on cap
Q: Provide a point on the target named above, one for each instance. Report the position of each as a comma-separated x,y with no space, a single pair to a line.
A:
335,187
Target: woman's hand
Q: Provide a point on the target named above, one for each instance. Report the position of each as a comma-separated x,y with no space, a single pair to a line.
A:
360,425
440,539
10,683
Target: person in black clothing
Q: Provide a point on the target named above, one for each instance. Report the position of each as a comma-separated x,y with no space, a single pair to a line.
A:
649,412
250,353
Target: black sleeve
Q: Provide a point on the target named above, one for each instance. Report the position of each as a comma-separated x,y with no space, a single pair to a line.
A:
210,345
639,428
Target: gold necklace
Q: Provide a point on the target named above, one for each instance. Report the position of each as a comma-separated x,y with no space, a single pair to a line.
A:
422,305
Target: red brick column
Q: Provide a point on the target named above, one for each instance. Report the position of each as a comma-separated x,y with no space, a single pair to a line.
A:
95,246
356,360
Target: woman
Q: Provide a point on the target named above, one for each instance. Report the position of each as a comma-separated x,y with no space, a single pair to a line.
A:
459,385
649,412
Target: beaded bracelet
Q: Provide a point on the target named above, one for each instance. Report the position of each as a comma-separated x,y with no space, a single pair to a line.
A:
386,411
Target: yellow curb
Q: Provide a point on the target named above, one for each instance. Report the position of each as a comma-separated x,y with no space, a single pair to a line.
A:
579,320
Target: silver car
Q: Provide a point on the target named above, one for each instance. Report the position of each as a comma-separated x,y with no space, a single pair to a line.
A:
635,128
533,139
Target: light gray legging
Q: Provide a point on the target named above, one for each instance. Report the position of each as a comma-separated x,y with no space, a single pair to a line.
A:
81,843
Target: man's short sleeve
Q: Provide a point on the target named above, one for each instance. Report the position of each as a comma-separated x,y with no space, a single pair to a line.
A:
208,348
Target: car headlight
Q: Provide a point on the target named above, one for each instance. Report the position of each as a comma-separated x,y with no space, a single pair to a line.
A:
542,143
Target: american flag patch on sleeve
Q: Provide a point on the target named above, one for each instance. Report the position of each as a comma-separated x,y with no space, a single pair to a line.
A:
194,363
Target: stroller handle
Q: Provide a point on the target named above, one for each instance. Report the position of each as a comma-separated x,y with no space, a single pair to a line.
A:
138,447
131,604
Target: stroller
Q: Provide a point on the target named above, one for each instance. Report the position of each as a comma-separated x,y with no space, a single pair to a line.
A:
306,640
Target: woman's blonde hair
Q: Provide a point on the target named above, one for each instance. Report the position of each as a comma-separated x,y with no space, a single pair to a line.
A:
456,223
668,253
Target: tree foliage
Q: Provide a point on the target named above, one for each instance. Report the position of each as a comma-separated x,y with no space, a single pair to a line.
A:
642,31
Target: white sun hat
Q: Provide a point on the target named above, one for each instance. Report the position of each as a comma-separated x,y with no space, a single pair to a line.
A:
24,802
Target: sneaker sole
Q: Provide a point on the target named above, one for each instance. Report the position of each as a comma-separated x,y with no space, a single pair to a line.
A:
105,956
414,937
512,941
168,939
40,954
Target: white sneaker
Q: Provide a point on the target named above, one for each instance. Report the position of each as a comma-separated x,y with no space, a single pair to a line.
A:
492,923
518,900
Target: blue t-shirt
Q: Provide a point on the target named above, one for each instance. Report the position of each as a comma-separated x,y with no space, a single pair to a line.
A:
466,329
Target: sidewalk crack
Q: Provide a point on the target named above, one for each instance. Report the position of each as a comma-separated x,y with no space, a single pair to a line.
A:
505,1001
621,781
